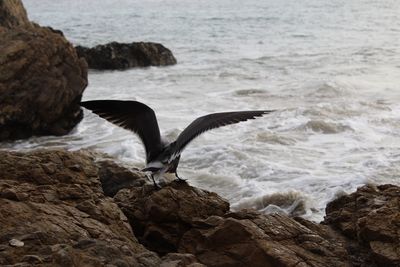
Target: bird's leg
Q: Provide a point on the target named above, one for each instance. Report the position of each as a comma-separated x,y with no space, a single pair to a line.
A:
179,178
154,182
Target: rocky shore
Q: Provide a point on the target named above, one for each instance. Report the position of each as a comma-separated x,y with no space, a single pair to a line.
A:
61,208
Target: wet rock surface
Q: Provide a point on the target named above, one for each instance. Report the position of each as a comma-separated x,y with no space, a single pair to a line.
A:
370,217
41,77
119,56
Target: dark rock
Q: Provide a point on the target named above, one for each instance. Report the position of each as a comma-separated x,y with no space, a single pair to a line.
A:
160,217
41,77
119,56
114,177
370,217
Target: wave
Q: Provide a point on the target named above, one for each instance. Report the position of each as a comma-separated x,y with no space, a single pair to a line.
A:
249,92
325,127
242,19
267,137
328,90
292,203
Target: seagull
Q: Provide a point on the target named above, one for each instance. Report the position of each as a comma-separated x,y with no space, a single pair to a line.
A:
161,156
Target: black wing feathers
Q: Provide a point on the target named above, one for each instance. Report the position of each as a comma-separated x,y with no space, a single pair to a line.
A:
212,121
134,116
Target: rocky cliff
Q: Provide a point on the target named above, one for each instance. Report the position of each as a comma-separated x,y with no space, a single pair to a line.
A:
62,208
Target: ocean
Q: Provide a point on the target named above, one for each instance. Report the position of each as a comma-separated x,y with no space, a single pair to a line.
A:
331,69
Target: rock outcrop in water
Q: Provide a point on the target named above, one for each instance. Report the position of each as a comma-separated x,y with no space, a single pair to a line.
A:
119,56
41,77
62,208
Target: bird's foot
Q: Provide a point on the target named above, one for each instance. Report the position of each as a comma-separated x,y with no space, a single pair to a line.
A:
156,186
179,179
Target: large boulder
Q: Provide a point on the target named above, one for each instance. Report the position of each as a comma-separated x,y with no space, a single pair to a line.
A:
370,217
161,217
119,56
41,77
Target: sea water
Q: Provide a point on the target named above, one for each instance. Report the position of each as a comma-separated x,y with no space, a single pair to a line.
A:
331,69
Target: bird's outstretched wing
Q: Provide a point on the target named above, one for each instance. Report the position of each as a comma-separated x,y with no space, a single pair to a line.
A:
134,116
212,121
